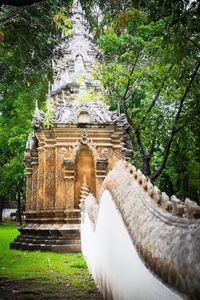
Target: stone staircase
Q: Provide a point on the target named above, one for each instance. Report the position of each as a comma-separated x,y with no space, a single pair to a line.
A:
48,240
42,233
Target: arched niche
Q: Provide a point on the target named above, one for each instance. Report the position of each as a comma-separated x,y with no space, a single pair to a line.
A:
79,65
83,117
84,167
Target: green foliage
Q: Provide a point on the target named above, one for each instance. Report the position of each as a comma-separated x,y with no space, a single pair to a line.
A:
149,61
182,173
91,95
26,50
62,22
48,121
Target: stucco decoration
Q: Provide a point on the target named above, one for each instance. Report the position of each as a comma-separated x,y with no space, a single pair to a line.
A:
38,118
32,142
70,112
83,141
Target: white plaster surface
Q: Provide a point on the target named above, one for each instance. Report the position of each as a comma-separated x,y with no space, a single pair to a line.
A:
113,260
7,212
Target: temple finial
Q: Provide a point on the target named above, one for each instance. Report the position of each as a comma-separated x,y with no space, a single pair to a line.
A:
84,191
84,137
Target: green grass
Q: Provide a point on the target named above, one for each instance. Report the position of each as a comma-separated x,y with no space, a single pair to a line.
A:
53,268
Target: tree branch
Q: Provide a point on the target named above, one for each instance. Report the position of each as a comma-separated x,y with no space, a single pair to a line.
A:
39,59
12,15
129,77
129,120
193,42
191,120
173,130
156,96
153,143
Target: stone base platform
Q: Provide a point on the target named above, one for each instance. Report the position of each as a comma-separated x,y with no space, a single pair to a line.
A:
62,239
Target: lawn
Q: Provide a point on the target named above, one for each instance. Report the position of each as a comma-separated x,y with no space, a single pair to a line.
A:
46,275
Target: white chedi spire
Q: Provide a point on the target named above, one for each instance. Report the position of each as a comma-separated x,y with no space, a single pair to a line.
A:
76,7
74,59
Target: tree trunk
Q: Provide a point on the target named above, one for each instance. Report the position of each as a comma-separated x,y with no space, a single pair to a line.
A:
19,190
146,166
1,208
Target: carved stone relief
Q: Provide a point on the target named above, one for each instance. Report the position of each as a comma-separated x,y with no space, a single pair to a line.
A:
62,152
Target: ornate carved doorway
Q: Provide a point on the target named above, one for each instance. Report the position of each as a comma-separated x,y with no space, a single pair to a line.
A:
84,167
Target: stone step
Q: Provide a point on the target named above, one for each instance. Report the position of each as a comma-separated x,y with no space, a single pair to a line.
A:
45,247
30,247
39,239
66,240
70,237
62,242
15,245
53,237
22,240
28,240
52,242
70,232
66,248
72,221
39,242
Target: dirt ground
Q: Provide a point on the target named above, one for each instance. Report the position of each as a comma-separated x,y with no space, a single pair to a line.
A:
22,289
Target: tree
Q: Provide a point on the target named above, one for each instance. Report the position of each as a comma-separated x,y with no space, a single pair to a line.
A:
151,68
26,50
